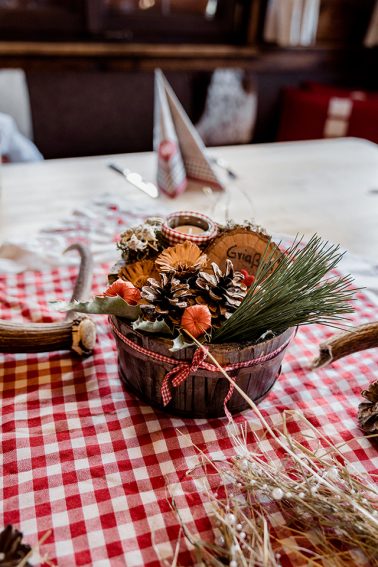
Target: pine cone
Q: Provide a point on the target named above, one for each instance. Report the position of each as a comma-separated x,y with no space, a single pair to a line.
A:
368,411
223,292
12,551
165,298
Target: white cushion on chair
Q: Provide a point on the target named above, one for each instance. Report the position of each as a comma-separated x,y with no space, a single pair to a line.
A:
14,145
14,99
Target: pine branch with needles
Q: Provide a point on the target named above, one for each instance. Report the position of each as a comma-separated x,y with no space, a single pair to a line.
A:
291,289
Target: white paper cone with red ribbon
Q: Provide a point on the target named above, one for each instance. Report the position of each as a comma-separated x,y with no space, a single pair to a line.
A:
180,150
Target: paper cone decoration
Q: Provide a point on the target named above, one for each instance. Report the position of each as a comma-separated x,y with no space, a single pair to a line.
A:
181,152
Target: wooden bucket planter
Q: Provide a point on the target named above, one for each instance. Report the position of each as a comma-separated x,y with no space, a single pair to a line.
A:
203,393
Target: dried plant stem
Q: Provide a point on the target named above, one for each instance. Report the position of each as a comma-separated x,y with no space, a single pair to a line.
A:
319,434
25,559
175,557
309,506
283,445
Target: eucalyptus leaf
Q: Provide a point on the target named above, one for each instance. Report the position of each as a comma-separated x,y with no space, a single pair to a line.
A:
157,327
179,343
101,306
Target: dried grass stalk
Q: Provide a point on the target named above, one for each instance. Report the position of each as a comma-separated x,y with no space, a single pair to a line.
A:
311,507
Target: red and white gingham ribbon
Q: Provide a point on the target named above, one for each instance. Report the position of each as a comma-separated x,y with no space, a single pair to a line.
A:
180,373
176,237
183,369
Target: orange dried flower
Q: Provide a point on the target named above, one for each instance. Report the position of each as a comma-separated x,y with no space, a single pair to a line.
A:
182,259
124,289
139,272
196,319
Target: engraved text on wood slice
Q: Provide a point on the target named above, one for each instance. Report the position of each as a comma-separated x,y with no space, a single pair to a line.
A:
242,246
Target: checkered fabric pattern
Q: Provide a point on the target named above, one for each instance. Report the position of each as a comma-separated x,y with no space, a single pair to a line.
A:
201,171
171,175
83,458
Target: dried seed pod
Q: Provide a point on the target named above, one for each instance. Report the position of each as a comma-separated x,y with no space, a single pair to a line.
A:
196,319
124,289
138,272
182,260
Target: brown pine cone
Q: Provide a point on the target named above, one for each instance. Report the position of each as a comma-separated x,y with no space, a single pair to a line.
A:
223,292
368,411
165,298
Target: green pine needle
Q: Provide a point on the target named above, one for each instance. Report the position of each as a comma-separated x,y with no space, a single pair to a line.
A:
290,290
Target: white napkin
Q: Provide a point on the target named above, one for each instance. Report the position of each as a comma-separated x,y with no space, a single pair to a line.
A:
98,225
181,152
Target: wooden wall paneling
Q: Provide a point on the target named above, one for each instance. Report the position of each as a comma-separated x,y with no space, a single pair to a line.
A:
344,21
92,113
43,19
98,95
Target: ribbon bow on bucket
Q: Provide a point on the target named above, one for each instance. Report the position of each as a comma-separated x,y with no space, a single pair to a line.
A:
180,373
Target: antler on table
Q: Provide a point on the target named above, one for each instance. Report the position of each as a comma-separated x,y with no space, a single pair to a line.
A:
342,344
83,284
78,333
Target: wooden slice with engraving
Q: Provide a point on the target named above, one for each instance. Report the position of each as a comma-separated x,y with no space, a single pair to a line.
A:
243,247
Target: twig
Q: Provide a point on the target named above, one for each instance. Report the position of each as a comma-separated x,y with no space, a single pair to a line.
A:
25,559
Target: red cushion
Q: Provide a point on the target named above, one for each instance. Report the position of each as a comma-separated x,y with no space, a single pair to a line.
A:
356,94
304,115
363,122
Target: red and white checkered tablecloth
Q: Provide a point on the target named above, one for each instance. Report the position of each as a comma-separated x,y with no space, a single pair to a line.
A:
83,458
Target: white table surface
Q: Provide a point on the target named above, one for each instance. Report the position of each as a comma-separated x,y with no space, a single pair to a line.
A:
325,186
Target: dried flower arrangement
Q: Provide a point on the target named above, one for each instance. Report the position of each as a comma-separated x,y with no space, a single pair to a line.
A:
167,289
310,508
235,292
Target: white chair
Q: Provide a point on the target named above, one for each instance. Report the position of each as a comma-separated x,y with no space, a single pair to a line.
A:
16,130
15,147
